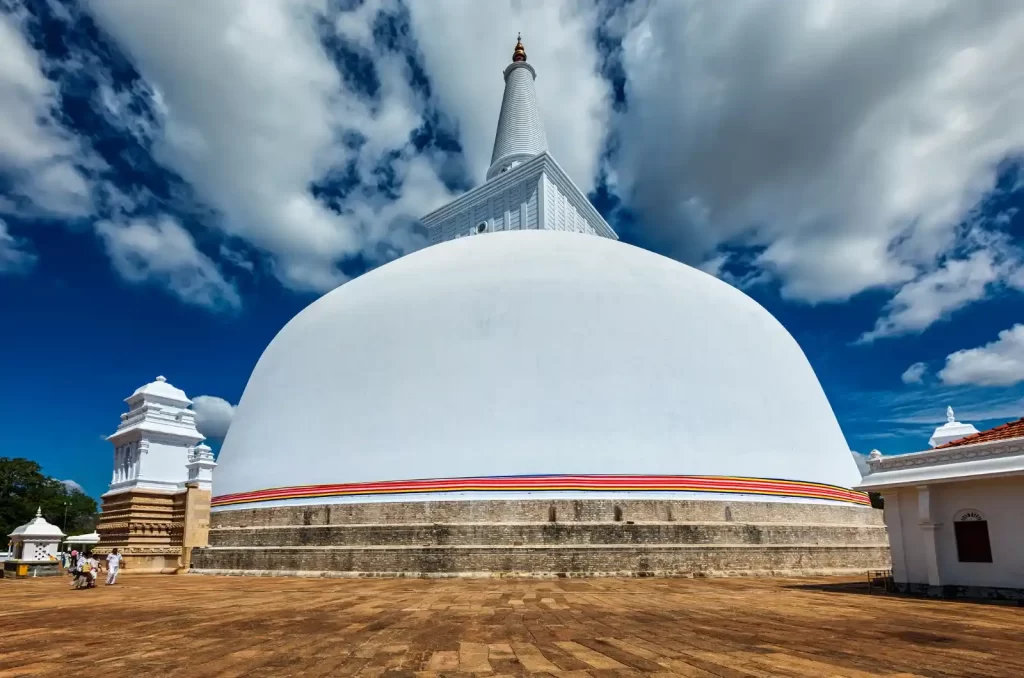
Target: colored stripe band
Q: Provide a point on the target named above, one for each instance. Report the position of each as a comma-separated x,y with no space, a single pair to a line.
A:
558,483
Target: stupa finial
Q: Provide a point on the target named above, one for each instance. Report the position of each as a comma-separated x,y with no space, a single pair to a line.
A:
950,419
519,54
39,512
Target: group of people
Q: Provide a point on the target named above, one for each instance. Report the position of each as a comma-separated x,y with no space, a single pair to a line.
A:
85,568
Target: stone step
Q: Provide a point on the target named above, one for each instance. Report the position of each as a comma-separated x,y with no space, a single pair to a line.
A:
534,560
539,534
589,510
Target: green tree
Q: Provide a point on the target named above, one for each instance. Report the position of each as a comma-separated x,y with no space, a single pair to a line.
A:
23,488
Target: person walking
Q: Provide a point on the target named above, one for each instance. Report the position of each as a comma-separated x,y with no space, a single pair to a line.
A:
93,569
75,563
113,566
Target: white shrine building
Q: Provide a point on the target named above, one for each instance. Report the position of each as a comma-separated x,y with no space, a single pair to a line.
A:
159,460
34,549
525,188
953,513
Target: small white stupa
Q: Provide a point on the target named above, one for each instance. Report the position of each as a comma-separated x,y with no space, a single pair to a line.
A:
34,549
951,430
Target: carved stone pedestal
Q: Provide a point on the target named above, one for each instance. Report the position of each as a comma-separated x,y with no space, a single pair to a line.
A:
146,526
155,531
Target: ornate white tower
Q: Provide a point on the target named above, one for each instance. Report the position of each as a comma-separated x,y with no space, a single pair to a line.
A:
200,467
525,187
161,482
153,443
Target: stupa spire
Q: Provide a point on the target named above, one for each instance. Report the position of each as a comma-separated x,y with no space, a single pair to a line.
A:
519,53
520,135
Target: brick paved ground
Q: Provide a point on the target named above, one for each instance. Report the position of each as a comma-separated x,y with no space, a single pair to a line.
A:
204,626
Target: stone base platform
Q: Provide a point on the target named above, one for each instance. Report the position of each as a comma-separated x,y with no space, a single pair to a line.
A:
141,562
968,592
21,569
539,538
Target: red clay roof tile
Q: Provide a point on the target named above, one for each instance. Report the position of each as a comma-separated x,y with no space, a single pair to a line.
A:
1012,429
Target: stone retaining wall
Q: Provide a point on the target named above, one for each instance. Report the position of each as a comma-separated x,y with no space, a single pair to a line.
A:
550,534
604,560
540,510
534,537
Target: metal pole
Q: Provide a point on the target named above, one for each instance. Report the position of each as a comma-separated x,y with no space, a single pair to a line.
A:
65,517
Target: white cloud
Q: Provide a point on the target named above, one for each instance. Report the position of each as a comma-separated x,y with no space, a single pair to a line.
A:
14,258
862,462
848,140
160,251
914,374
37,154
844,143
213,416
254,132
236,259
936,295
998,363
72,486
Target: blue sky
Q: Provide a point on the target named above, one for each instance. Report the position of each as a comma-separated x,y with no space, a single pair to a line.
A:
178,180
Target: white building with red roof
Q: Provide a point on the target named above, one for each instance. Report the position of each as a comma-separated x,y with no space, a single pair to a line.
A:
954,513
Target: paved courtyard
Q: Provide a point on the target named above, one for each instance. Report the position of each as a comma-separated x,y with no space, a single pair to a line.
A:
213,626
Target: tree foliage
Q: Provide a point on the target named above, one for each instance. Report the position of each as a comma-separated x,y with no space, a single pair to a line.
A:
24,488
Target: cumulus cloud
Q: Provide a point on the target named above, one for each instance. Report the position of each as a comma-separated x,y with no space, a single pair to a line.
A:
160,251
936,295
914,374
998,363
255,133
303,94
213,416
14,257
839,146
845,142
72,486
862,462
38,156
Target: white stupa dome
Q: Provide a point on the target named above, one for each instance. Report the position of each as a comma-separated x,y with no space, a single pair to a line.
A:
531,352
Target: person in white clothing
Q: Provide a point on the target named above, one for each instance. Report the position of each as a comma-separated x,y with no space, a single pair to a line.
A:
113,566
94,570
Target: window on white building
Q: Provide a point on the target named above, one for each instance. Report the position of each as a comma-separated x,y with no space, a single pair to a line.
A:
972,541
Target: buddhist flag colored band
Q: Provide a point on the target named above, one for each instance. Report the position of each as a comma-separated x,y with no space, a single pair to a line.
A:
558,483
